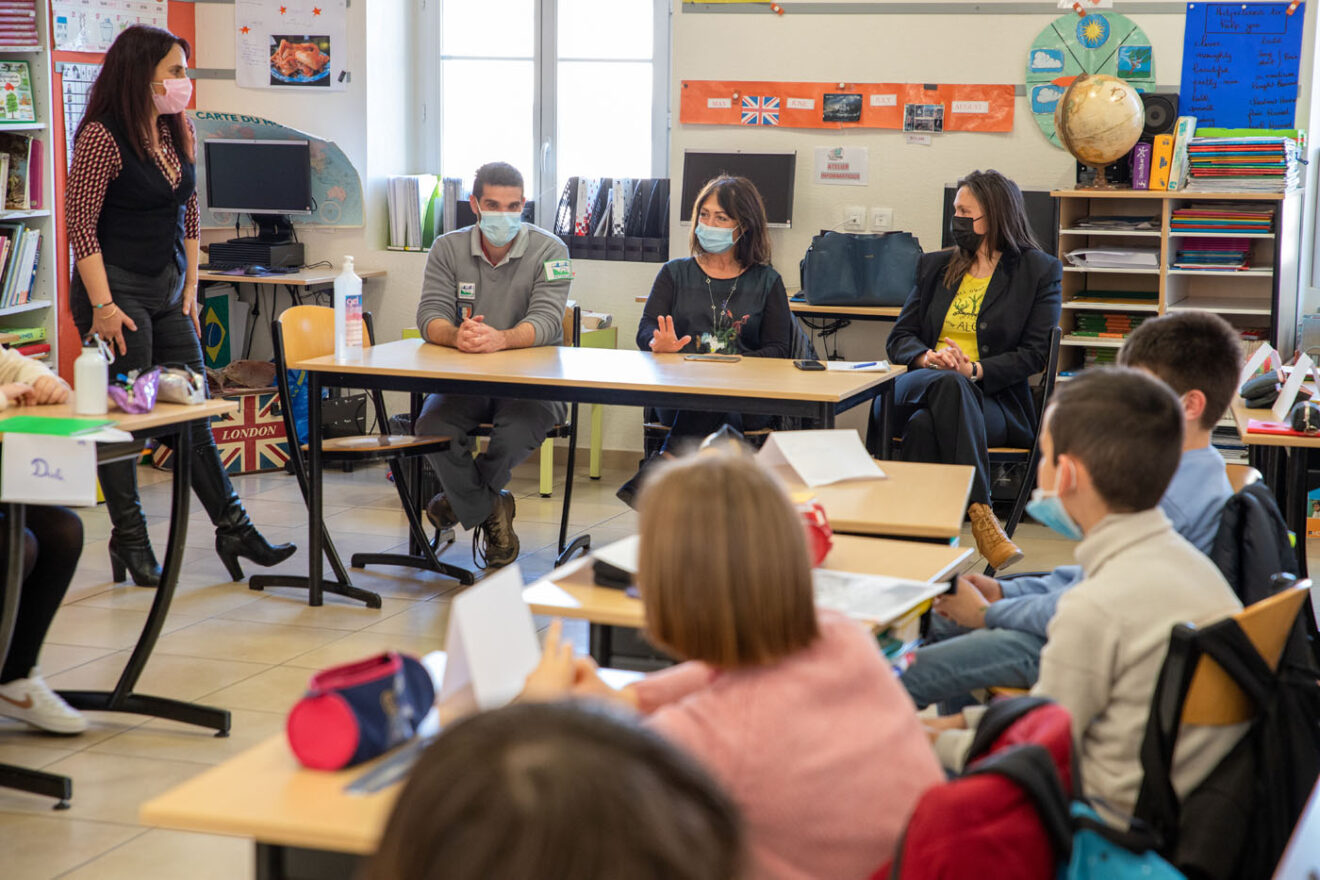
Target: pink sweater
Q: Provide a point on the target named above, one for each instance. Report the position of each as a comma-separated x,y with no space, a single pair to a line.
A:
822,751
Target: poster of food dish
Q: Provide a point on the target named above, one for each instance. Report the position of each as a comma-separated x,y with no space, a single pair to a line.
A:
292,44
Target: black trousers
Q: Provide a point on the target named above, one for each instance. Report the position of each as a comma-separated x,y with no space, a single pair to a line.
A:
164,335
53,542
945,418
688,427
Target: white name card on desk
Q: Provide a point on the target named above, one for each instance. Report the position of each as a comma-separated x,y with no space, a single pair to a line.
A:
491,644
1301,371
42,469
821,457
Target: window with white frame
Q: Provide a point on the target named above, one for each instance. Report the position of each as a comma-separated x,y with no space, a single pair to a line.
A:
557,88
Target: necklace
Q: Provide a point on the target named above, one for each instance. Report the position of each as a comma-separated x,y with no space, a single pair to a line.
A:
717,315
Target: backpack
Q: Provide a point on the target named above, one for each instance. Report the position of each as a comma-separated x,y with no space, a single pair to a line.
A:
1252,544
1009,816
1236,823
843,269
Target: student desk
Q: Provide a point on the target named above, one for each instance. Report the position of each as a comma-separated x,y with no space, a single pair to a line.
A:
166,418
570,592
304,824
295,283
915,500
577,375
1291,487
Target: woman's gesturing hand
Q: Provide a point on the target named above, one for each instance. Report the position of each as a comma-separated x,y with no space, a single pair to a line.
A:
663,338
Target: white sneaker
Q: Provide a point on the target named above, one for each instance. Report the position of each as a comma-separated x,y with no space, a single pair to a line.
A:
31,699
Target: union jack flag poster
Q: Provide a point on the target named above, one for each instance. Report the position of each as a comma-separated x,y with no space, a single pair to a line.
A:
760,110
252,439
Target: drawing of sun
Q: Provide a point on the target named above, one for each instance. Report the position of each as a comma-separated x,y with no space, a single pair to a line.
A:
1093,31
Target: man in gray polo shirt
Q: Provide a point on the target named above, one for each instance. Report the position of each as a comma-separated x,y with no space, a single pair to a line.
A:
496,285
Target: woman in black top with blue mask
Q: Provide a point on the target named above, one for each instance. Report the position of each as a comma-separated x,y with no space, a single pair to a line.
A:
724,299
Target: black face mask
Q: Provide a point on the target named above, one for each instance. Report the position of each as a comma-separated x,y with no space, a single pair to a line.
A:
963,235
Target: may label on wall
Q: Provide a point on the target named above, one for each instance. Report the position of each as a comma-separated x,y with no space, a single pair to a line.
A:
842,166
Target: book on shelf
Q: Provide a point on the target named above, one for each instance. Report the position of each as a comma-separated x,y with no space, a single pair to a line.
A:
416,212
18,25
21,273
1161,162
19,149
1115,258
16,92
1183,132
33,349
26,335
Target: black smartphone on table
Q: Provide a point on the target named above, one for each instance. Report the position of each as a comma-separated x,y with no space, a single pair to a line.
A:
809,365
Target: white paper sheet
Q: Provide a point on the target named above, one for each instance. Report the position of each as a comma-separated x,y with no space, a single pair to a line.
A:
42,469
1301,371
1258,359
870,597
821,457
857,366
621,554
491,644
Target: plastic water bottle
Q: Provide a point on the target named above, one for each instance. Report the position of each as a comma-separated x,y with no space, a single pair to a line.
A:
91,379
348,314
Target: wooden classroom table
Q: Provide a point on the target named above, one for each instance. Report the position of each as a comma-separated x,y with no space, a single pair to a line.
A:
570,592
1290,486
164,419
305,825
915,500
769,386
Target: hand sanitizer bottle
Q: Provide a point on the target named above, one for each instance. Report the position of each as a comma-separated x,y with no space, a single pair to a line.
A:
348,314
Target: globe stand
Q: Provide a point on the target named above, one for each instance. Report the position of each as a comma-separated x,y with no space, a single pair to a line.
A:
1100,181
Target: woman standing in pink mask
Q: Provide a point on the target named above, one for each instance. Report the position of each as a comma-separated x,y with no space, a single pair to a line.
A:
131,208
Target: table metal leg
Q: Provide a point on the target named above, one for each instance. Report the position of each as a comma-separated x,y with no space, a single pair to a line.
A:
886,396
597,440
122,698
601,638
11,776
581,542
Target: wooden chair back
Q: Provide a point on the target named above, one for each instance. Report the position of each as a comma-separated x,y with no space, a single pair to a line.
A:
572,325
1241,476
1212,697
309,331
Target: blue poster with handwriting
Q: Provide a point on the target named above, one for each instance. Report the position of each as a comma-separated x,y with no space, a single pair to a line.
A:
1240,64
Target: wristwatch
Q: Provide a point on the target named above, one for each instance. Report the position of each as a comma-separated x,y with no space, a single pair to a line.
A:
978,372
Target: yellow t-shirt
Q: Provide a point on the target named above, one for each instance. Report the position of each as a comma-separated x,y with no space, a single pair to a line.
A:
960,320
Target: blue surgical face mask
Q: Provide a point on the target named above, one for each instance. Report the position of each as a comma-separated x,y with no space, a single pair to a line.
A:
715,239
499,228
1046,508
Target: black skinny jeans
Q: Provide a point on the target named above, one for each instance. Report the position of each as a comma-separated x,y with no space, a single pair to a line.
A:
53,542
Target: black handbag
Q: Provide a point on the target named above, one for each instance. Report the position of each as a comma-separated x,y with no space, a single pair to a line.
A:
846,269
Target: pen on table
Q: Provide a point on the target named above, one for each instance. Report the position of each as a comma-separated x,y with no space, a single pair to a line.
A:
863,366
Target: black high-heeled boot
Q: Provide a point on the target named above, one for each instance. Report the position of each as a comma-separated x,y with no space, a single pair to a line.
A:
130,547
235,535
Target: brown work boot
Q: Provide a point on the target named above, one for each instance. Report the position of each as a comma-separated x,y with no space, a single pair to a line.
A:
440,514
991,542
494,540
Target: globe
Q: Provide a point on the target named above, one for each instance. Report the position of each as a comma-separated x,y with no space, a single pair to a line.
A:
1099,119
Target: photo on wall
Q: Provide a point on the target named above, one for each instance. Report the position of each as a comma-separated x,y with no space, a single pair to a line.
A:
923,117
842,108
300,60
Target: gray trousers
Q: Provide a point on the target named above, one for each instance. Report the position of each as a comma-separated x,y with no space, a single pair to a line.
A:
472,484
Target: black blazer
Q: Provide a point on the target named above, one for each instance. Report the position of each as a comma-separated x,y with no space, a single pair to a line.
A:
1018,314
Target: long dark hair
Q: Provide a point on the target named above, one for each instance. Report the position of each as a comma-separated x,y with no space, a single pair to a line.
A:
739,198
1006,226
556,790
123,88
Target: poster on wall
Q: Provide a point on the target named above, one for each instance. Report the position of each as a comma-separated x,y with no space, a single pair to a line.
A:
293,44
1099,42
1240,64
982,107
92,25
336,187
842,166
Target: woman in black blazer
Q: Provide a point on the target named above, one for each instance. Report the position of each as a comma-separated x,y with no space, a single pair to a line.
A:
975,327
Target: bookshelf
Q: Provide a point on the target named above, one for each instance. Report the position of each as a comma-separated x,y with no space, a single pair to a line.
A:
1263,297
40,310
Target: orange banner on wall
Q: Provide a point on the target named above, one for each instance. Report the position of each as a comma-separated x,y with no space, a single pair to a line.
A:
986,108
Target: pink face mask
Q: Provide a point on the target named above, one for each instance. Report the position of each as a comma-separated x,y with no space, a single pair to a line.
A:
177,93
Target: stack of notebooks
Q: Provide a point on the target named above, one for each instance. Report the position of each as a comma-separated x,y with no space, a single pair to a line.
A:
30,341
1107,325
20,253
1119,223
1243,164
1226,218
415,214
1214,254
1115,258
18,24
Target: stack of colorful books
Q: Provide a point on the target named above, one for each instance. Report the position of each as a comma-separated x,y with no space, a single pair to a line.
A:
1225,218
1243,164
1107,325
1214,254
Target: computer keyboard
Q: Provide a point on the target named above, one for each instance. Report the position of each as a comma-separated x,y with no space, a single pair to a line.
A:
222,267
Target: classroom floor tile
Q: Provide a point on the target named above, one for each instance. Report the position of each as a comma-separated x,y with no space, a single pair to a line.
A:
253,652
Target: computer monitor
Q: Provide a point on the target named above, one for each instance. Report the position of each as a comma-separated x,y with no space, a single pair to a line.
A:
772,173
267,179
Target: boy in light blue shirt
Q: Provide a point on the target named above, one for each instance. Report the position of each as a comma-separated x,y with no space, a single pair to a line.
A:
990,633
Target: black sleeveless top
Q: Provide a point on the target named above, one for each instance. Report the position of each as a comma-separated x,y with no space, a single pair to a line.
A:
141,224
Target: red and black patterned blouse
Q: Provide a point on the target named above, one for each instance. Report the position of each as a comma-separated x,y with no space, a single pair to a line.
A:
96,162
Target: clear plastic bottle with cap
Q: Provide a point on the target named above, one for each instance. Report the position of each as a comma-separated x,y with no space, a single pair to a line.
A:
348,314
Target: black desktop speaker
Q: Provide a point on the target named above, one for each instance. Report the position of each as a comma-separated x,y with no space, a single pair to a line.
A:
1161,114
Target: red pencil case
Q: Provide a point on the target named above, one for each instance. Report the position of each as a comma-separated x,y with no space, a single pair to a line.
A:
358,711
